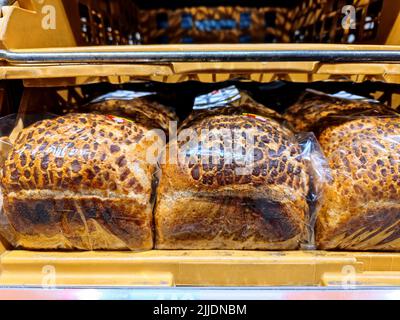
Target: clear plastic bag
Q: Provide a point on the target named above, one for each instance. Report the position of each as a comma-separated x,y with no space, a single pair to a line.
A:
316,110
236,178
360,209
140,107
81,181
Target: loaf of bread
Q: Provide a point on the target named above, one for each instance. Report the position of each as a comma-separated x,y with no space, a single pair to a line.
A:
79,181
205,203
360,208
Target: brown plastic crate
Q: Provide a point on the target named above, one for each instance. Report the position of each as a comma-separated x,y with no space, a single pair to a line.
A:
102,22
310,21
321,21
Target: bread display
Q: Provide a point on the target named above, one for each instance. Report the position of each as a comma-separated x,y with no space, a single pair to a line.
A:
79,181
360,209
205,201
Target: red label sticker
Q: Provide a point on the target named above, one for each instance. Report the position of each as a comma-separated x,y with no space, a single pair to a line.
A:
254,116
117,119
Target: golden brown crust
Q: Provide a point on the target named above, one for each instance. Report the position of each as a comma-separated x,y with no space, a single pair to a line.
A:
213,205
77,222
79,162
277,159
144,110
361,206
228,220
244,105
85,153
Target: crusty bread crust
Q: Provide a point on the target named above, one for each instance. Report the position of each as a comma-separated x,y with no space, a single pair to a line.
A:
361,207
79,181
77,222
211,206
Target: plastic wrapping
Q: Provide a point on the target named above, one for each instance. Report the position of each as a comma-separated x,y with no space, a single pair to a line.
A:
315,110
236,178
360,209
82,181
141,107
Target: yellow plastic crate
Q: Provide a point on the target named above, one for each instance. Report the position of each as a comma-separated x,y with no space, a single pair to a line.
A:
67,23
58,74
199,268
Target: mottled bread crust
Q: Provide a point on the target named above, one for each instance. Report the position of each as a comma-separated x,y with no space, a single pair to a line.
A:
314,112
244,105
206,204
144,110
361,207
79,181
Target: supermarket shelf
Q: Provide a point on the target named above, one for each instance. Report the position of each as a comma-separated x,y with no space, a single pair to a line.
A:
179,269
196,293
170,268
